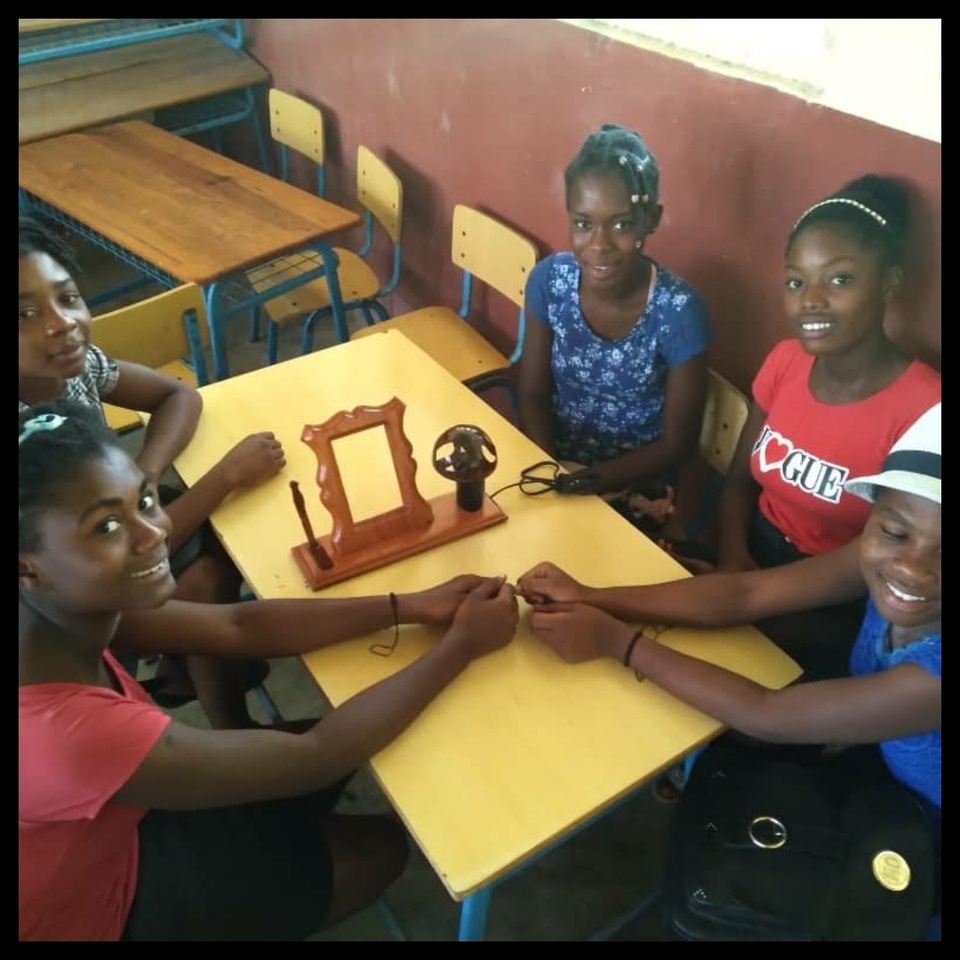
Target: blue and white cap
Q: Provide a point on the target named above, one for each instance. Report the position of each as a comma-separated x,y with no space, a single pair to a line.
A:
913,464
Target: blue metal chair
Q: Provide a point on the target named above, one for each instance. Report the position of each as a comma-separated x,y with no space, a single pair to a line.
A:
491,254
166,332
296,127
380,193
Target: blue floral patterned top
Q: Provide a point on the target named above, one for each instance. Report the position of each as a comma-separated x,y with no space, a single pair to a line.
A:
609,395
915,760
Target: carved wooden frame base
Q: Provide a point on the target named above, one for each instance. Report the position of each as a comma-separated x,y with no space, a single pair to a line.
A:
415,526
449,523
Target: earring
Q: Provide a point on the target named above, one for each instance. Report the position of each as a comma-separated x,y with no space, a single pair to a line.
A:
638,244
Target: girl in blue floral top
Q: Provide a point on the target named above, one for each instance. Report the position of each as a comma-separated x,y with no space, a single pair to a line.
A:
613,375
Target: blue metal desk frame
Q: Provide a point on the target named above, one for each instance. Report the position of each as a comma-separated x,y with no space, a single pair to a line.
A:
40,45
475,908
205,115
225,296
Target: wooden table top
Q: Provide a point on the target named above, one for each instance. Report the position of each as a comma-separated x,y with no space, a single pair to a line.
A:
190,211
522,748
71,93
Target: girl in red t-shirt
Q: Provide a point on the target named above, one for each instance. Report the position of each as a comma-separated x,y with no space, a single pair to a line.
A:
828,403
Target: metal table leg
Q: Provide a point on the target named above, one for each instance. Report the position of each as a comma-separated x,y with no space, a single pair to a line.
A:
473,915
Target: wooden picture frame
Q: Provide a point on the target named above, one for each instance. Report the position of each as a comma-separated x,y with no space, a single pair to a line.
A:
355,547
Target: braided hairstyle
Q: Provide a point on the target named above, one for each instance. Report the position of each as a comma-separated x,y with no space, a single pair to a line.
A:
57,441
874,210
37,237
615,149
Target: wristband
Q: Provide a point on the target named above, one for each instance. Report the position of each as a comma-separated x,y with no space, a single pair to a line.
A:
385,649
630,646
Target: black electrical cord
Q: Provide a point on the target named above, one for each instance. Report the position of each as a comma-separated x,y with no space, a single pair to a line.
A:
544,476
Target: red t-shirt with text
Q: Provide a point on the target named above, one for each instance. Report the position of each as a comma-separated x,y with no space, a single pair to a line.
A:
807,450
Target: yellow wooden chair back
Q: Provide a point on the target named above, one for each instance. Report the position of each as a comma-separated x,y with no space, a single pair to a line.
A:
492,252
380,191
724,415
488,251
296,124
167,332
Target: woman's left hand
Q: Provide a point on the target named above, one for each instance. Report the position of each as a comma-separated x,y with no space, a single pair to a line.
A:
577,632
438,604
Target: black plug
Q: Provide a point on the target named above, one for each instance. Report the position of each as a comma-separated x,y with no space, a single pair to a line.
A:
578,483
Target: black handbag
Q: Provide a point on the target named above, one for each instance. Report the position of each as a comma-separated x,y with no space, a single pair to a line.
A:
773,843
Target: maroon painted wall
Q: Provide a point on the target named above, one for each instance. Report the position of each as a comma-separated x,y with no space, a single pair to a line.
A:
489,112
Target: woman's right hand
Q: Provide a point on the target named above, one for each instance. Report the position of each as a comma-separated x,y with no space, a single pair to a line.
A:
487,618
547,583
252,461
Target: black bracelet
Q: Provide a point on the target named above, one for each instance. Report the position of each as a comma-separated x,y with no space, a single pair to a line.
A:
630,646
385,649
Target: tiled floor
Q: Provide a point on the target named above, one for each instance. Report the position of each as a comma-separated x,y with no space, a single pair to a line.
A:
570,893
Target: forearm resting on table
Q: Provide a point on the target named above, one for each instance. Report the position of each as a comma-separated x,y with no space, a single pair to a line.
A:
729,697
265,628
362,726
729,599
198,769
896,703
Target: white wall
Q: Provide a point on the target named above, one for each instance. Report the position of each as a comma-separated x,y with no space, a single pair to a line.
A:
887,71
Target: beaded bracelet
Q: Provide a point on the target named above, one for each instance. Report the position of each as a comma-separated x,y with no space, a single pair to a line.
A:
385,649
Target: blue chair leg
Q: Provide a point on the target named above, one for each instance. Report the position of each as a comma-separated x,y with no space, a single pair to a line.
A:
378,308
390,919
273,336
255,324
306,337
262,149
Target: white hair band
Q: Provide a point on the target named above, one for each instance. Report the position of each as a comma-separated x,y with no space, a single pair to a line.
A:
851,203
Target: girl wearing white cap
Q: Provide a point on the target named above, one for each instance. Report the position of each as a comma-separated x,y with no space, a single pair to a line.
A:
892,696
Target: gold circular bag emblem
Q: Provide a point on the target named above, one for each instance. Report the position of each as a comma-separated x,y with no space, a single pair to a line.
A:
891,870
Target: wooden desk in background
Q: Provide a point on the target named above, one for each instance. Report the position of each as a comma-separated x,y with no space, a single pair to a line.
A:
182,213
32,25
522,749
71,93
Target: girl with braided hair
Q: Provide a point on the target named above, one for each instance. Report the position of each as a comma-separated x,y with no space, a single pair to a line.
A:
613,375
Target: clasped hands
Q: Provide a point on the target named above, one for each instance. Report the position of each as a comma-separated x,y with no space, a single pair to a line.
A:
483,614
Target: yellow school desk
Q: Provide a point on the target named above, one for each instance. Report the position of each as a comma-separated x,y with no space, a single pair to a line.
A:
522,749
